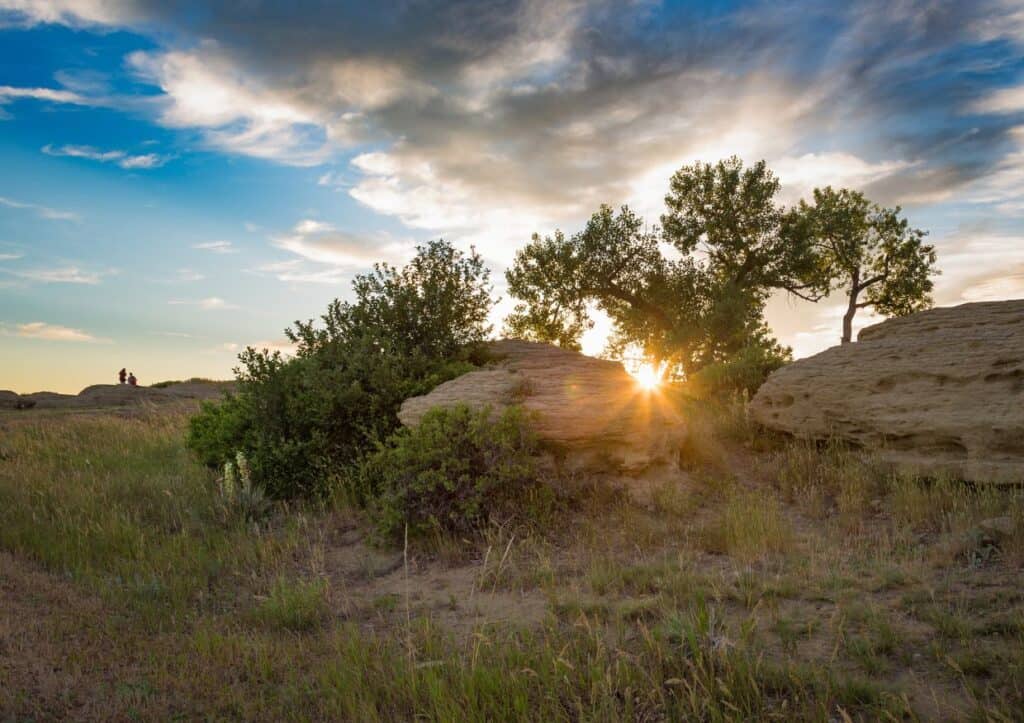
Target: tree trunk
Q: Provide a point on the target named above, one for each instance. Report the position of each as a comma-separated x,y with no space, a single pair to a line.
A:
851,307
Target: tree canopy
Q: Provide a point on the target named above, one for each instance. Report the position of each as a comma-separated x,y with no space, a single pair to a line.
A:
692,291
870,253
697,305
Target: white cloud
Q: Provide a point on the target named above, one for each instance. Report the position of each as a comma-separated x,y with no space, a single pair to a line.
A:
53,332
283,346
9,257
71,12
189,275
61,275
217,247
323,244
46,212
55,95
204,90
800,175
1004,100
211,303
121,158
307,226
1006,286
1003,187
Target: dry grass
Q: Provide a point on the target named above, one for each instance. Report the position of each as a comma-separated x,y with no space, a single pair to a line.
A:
775,581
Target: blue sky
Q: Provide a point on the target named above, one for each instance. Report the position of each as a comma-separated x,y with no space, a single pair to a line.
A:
179,180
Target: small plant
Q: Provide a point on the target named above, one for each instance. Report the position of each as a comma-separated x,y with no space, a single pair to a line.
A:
751,525
454,471
297,606
241,498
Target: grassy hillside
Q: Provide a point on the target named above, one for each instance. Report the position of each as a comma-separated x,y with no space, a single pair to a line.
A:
772,580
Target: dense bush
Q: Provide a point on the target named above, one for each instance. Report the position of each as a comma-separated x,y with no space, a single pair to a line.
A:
744,371
452,472
304,422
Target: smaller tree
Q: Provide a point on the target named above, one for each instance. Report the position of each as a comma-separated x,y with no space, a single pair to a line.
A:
869,252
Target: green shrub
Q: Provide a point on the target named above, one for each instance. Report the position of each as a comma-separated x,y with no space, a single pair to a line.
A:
744,371
454,471
219,430
302,422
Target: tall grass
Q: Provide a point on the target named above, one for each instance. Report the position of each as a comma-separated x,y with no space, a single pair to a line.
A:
120,503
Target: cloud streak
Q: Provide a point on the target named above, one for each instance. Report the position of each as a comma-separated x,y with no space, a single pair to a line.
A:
51,214
53,332
121,158
216,247
211,303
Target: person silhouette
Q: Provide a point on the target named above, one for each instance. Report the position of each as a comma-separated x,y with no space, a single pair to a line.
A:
132,381
122,376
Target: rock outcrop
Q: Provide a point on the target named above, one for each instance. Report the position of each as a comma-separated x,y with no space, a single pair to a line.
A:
940,391
589,411
100,396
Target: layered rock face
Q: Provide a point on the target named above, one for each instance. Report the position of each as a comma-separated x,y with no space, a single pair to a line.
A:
941,391
590,411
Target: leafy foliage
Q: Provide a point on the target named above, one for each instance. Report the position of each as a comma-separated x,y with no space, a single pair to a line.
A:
869,252
730,214
451,472
744,371
304,422
700,306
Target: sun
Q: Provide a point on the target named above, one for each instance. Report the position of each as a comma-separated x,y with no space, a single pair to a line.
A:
647,377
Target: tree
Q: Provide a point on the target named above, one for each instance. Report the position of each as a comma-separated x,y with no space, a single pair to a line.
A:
303,421
730,215
615,264
702,305
869,252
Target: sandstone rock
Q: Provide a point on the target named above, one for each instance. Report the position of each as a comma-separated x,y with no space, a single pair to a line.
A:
937,392
590,411
101,396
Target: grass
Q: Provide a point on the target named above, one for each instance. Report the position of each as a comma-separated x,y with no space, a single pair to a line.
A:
295,605
783,582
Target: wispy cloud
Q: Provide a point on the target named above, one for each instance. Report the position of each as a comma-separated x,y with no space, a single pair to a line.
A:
46,212
9,93
188,275
60,275
121,158
10,257
211,303
321,242
216,247
53,332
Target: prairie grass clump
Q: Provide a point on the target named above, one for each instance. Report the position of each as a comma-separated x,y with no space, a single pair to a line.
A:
294,605
749,526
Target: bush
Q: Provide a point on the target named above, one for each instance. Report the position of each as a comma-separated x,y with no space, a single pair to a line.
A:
744,371
304,422
219,430
453,472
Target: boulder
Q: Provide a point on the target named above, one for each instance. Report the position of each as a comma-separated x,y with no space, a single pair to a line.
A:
589,411
937,392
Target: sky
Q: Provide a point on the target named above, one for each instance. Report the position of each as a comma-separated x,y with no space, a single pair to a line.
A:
181,179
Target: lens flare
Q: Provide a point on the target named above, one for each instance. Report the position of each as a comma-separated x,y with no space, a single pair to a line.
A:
647,377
